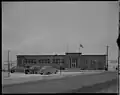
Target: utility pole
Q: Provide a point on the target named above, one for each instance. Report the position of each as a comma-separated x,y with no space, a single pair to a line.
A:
118,36
8,64
119,50
107,58
60,68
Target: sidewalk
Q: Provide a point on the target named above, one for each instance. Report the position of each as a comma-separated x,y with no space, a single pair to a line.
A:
21,78
17,78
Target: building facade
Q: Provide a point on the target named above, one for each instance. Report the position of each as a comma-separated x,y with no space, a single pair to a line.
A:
69,60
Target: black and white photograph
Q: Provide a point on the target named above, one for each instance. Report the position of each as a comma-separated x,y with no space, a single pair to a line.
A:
60,47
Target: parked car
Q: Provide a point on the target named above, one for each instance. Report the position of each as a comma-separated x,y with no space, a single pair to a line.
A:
117,69
17,69
62,68
32,70
46,70
4,70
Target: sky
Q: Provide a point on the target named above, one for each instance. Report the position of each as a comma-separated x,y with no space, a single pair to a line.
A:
59,27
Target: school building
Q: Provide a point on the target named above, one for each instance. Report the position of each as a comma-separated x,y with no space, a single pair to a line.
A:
68,60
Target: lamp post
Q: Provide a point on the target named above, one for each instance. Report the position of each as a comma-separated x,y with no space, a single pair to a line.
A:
8,64
107,59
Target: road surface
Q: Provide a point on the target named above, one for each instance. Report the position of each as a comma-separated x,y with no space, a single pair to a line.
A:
60,85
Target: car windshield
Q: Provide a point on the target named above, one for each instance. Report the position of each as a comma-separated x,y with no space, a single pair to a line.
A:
34,67
13,67
46,67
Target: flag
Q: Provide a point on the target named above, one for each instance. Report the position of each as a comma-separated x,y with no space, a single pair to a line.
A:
81,45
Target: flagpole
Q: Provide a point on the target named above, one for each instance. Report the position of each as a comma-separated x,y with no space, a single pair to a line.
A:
79,49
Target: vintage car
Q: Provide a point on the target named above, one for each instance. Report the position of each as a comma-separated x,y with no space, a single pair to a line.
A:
118,69
17,69
46,70
33,70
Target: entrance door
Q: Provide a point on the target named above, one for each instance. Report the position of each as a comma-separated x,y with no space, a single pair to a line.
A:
73,63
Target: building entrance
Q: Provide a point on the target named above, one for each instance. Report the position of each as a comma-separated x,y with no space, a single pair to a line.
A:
73,63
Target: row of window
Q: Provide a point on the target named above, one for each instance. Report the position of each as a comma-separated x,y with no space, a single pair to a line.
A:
57,61
30,61
33,61
51,61
92,61
44,61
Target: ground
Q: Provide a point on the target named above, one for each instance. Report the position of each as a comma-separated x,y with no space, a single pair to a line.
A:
67,84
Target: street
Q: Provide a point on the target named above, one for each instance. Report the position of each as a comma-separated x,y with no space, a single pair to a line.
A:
60,85
16,78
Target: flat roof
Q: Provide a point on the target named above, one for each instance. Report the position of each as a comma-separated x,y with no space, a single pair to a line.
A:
40,55
95,55
73,53
60,54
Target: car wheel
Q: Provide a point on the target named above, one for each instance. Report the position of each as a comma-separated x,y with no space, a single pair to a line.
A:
56,72
26,72
41,73
48,73
12,71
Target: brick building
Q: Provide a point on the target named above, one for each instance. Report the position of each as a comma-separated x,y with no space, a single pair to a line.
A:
69,60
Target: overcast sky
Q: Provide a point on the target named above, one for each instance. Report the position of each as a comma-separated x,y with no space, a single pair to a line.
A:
47,27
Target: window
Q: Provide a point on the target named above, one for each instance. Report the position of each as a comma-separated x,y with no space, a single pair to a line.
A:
91,62
48,60
44,60
62,60
74,60
24,61
39,61
58,61
53,61
30,60
34,61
